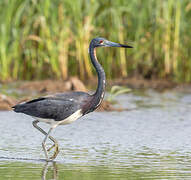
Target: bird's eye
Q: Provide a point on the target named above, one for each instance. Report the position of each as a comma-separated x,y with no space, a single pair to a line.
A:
101,41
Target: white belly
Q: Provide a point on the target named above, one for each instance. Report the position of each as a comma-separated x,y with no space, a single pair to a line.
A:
68,120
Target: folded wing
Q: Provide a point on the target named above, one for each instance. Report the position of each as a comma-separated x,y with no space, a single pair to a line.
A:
49,108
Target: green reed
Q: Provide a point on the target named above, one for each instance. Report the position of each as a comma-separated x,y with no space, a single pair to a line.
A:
49,39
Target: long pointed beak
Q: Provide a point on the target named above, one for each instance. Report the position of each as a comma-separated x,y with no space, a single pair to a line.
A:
112,44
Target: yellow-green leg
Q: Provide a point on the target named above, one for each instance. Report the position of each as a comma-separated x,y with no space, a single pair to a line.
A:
47,135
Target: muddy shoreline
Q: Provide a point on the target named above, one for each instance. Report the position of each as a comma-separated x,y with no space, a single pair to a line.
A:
33,89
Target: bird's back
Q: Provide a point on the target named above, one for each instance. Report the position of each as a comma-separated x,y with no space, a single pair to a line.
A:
57,106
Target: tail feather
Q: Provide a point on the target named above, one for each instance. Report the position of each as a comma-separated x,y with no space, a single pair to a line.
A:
19,108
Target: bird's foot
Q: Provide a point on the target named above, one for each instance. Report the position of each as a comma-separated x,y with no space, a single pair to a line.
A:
51,147
55,153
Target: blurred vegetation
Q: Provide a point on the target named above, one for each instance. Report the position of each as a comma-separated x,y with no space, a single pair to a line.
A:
42,39
115,91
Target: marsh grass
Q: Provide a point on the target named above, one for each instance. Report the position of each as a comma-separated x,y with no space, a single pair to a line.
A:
49,39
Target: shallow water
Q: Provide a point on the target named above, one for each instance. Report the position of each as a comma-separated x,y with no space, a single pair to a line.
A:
150,141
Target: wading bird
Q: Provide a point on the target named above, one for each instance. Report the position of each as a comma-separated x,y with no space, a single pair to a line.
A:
65,108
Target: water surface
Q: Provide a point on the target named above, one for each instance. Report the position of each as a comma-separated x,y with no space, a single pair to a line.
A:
150,141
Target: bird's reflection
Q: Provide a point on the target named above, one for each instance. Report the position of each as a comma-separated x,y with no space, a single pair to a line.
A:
50,168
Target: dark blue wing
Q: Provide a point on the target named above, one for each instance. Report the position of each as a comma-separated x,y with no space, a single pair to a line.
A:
57,107
48,108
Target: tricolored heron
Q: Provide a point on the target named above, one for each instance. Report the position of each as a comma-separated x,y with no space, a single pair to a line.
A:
65,108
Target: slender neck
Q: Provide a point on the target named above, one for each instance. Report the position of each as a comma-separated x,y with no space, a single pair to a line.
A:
100,91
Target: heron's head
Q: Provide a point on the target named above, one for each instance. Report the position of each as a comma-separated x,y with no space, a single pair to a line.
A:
102,42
